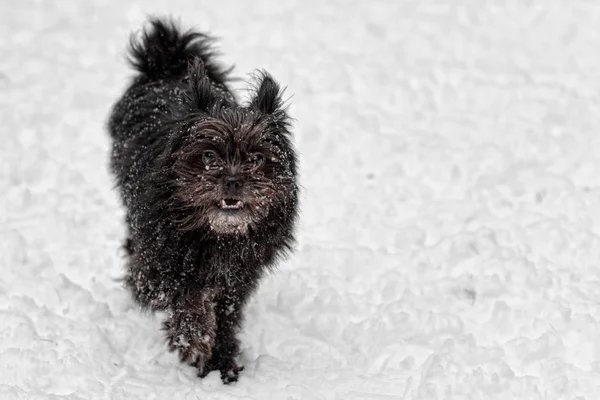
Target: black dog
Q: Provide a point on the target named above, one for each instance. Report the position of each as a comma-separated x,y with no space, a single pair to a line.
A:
210,190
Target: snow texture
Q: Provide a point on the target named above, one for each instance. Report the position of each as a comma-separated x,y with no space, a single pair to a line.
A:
449,238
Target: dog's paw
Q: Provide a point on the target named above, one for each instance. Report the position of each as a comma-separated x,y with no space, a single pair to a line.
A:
231,373
191,337
228,368
192,332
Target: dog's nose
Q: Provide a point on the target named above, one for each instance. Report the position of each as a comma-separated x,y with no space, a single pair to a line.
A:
233,182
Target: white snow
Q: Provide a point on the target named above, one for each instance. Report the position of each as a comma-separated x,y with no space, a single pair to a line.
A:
449,243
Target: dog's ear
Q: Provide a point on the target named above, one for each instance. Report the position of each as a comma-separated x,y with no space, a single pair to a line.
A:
268,96
202,96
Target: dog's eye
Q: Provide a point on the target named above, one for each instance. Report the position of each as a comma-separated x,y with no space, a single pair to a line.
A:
208,157
257,160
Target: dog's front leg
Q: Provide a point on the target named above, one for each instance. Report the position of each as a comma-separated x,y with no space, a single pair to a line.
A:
229,313
191,327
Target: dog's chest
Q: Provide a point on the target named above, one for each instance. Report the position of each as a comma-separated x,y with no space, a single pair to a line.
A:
230,265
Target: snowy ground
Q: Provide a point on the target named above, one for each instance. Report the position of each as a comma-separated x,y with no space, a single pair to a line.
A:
449,243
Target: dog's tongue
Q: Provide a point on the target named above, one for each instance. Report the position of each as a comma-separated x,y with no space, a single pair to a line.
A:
231,204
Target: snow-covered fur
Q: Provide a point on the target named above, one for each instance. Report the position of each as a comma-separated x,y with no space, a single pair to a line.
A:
210,190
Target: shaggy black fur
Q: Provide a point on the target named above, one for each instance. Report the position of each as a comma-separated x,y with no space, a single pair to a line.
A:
210,190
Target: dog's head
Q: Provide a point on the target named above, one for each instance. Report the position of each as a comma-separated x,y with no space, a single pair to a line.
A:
236,167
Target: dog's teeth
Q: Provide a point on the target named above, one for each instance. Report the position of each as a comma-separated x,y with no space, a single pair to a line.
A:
238,205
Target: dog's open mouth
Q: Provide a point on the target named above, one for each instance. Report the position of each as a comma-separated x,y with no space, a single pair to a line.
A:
231,204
